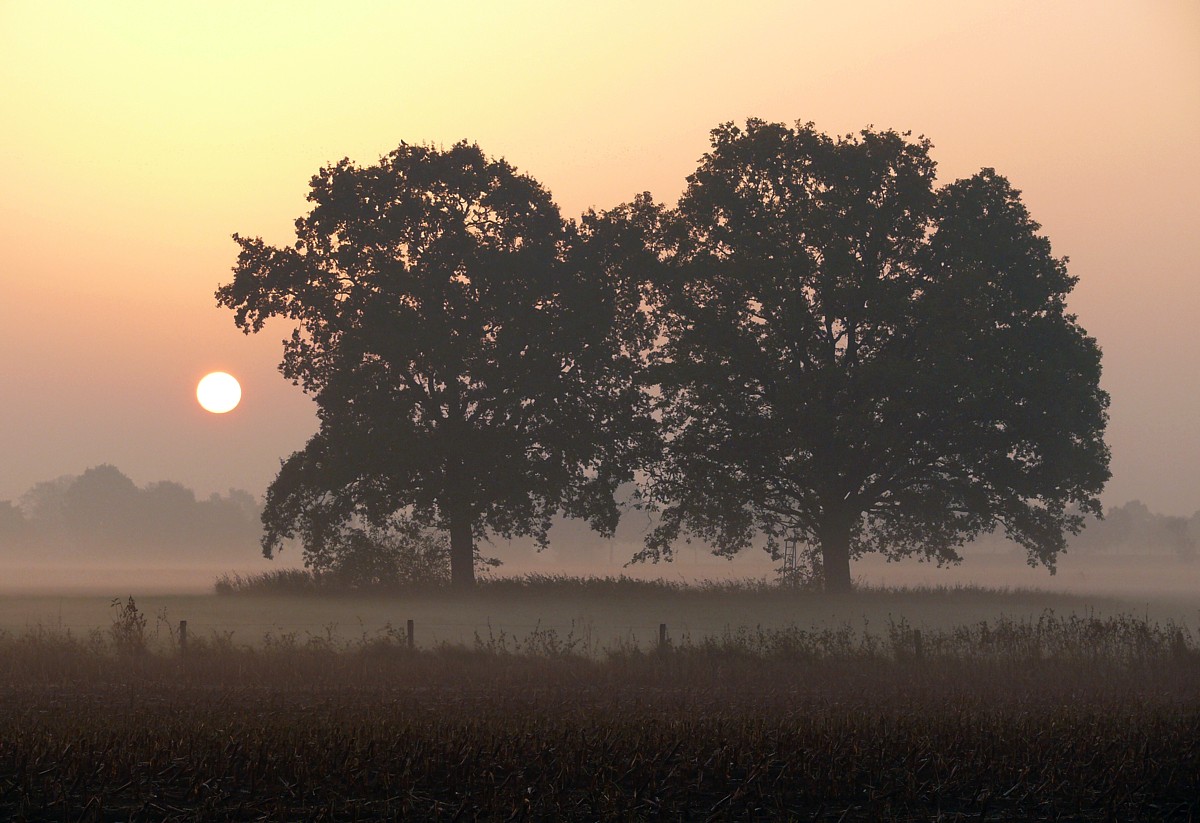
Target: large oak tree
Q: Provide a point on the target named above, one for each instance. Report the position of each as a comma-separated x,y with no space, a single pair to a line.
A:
472,354
862,359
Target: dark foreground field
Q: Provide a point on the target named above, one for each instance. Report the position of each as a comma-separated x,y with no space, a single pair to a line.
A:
1059,718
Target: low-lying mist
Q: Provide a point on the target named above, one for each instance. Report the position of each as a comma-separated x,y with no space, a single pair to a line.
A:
99,533
1146,575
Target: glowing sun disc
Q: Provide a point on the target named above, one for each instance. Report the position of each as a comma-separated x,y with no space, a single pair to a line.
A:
219,392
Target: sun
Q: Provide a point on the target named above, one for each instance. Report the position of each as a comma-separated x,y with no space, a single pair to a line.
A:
219,392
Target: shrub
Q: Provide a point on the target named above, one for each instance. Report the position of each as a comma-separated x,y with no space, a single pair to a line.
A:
128,629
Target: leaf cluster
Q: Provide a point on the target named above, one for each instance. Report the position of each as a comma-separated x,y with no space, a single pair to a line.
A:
472,353
817,343
849,347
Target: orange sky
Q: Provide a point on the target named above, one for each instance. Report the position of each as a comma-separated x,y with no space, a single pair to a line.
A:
138,136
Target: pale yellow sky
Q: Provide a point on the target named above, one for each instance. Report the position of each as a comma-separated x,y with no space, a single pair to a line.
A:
138,136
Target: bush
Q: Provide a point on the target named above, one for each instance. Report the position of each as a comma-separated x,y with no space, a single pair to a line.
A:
385,558
128,629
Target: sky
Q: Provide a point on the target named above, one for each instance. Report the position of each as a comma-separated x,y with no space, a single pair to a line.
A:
137,137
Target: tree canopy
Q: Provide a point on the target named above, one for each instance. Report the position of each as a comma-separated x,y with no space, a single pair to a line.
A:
472,354
103,511
857,357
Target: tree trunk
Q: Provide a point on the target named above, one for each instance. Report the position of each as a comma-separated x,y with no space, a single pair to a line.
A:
462,551
835,555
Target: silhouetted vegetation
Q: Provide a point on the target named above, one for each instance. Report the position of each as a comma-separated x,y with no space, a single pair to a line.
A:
838,353
473,355
1134,529
1128,530
564,587
275,581
865,362
102,512
1070,717
13,525
306,581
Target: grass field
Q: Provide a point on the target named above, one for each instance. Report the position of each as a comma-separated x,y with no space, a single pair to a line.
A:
551,699
606,613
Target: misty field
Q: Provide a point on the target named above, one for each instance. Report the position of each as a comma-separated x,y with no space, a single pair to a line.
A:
553,699
602,612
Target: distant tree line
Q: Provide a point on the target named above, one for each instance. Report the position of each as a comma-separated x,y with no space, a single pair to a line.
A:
1131,529
102,512
1134,529
816,344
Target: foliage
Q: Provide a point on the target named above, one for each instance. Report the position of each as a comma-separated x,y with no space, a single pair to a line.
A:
275,581
473,355
864,361
384,557
381,557
128,629
308,581
1133,528
13,525
102,509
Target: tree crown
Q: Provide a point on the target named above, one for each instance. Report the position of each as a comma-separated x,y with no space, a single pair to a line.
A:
848,346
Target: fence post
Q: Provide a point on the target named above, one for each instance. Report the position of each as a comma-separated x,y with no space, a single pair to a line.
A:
183,637
662,637
410,634
918,646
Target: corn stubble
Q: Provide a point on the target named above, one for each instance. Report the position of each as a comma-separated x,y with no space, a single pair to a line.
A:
1061,718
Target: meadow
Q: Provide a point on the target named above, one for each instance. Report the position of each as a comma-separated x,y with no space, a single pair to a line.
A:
552,698
605,613
695,599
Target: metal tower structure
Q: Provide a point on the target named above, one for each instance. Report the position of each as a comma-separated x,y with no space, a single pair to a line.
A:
791,544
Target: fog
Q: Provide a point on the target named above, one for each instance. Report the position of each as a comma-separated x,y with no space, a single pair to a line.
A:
99,533
1149,575
154,668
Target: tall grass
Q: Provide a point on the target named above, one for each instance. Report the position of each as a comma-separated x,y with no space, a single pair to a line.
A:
1076,717
293,582
275,581
306,582
1118,641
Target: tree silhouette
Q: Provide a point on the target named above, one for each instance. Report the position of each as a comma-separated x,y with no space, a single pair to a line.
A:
101,506
13,524
473,355
866,361
1133,528
103,510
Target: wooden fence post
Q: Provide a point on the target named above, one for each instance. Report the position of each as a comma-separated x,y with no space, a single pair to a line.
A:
410,634
662,637
183,637
918,646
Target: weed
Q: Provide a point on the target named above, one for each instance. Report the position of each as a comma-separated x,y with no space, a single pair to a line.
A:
128,629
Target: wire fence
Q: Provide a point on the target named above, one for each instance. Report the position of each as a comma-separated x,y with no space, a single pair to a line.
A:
424,633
